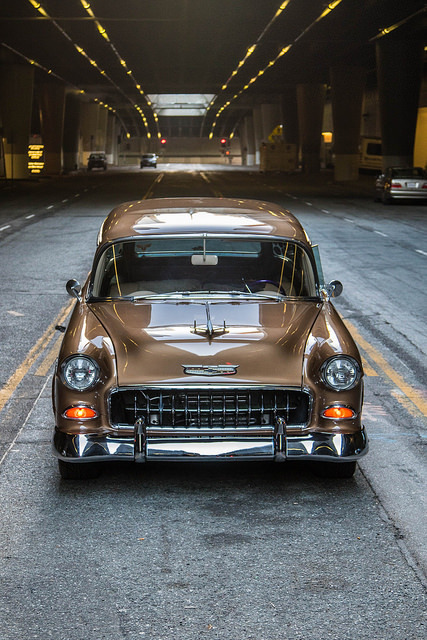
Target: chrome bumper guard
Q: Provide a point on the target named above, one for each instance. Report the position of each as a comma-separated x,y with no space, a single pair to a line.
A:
258,444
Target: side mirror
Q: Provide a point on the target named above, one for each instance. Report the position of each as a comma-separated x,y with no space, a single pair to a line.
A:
74,289
334,288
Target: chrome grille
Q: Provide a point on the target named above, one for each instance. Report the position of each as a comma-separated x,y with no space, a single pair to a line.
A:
208,408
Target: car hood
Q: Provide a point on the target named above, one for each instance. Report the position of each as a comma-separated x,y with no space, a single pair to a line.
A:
154,343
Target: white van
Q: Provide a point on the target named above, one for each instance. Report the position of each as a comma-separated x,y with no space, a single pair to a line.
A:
370,154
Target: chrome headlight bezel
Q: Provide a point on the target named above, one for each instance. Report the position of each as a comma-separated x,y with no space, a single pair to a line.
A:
86,364
350,372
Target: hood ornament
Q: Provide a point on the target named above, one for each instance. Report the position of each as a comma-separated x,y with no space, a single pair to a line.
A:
210,369
209,331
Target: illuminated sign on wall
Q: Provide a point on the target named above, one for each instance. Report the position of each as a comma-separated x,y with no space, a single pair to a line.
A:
35,156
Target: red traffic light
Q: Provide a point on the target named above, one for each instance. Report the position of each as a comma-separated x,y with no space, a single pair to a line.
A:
223,142
163,141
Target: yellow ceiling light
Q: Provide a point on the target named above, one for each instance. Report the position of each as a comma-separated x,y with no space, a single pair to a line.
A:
39,8
281,8
331,6
102,31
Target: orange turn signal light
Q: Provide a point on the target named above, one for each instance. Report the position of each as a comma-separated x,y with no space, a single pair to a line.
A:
338,413
80,413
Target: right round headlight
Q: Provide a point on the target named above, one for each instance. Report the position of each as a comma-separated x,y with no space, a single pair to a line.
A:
80,372
341,373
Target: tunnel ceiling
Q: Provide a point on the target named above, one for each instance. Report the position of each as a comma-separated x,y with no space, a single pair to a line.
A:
121,52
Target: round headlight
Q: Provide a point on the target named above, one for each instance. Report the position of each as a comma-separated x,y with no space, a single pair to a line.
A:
341,373
80,372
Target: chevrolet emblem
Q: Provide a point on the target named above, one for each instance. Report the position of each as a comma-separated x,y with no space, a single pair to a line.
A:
210,369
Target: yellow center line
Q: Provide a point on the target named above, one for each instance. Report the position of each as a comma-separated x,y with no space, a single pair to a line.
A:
35,351
410,392
151,187
49,358
216,193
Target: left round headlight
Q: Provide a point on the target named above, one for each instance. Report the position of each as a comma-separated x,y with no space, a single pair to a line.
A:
341,373
80,372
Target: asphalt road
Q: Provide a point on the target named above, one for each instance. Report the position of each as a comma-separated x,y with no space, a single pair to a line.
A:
230,552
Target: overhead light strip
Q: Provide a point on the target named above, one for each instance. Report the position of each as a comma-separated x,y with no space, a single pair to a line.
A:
55,75
251,49
330,7
386,30
38,6
103,32
246,87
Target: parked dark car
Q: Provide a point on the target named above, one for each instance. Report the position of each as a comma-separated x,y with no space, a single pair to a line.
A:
97,161
205,332
149,160
401,182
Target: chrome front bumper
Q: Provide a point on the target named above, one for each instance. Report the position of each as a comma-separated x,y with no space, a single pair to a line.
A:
320,446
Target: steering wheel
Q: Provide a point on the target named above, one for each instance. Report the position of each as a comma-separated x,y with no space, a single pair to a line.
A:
273,282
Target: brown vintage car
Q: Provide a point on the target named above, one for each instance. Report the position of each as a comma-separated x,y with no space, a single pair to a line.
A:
205,332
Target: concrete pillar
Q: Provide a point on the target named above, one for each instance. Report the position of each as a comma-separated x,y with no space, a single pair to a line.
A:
258,132
51,97
310,100
250,140
111,139
101,132
89,112
399,70
71,132
290,116
271,115
243,143
348,84
16,99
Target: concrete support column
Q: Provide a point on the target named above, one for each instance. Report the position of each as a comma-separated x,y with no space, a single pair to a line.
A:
111,140
271,115
89,113
290,116
101,132
258,132
51,97
348,84
16,99
243,143
399,70
250,140
310,100
71,132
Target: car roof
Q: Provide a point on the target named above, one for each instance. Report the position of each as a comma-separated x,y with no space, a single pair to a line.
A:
212,216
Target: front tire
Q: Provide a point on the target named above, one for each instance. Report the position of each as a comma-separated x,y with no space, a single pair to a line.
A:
78,471
334,469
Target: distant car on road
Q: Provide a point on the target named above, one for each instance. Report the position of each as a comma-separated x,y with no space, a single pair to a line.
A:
149,160
205,331
401,182
97,161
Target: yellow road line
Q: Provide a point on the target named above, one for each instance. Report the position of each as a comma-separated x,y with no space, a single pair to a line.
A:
33,354
216,193
368,370
50,358
151,187
413,394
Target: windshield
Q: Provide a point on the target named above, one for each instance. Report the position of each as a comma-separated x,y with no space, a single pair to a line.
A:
155,267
